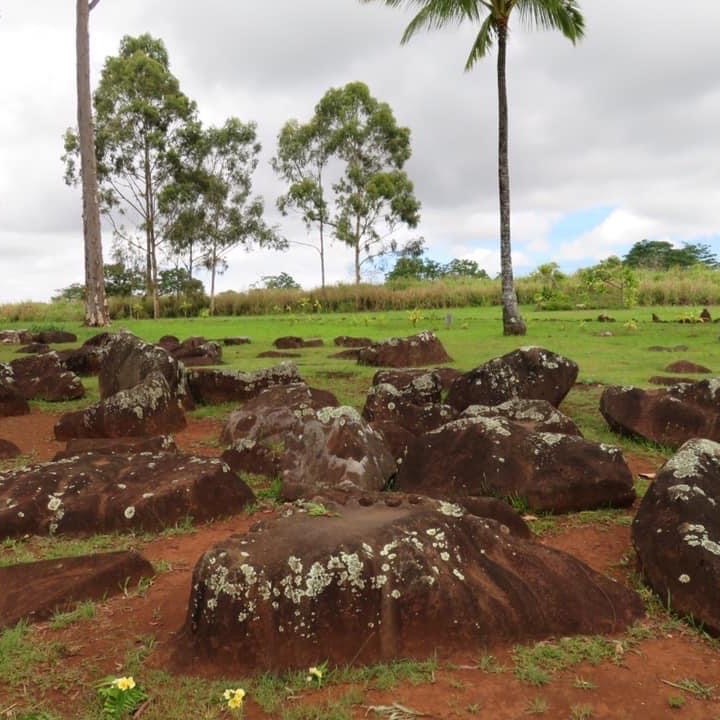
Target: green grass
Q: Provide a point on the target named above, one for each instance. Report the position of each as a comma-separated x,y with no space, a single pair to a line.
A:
82,611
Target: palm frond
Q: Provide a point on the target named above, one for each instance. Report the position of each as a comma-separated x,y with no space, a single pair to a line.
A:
563,15
483,42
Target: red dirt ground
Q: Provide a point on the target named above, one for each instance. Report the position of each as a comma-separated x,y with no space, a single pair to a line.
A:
636,688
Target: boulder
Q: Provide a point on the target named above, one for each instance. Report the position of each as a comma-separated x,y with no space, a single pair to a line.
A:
444,377
705,315
532,373
102,493
129,360
212,387
676,533
88,358
45,377
36,590
685,366
499,458
55,337
8,450
347,341
11,401
195,351
667,379
535,415
292,342
368,583
146,409
667,417
422,349
34,348
273,412
237,340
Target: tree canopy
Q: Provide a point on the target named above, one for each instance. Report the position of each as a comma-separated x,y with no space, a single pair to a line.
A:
662,255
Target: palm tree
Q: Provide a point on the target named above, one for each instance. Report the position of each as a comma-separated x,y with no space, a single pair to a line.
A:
494,17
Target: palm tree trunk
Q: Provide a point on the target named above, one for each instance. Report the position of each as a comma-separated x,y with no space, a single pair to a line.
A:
96,313
513,324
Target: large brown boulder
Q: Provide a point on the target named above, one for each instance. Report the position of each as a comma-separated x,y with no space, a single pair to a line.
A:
8,450
146,409
422,349
212,387
52,337
122,445
292,342
89,357
273,412
196,351
45,377
36,590
532,373
372,583
352,342
685,366
100,493
667,417
129,360
676,533
11,401
400,378
500,458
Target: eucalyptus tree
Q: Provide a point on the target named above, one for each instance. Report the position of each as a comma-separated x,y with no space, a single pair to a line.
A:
140,114
358,139
493,18
301,160
210,198
96,312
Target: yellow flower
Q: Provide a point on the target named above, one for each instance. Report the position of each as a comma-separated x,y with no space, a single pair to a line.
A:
124,683
235,698
314,673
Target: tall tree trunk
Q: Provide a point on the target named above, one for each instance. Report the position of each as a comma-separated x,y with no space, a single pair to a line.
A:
513,324
96,312
151,243
212,279
322,255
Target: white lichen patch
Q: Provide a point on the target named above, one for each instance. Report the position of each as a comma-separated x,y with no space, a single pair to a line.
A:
343,413
684,578
688,460
129,512
450,509
696,535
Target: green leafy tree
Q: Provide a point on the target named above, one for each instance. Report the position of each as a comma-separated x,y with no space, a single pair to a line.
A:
140,113
96,312
123,280
301,160
283,281
493,18
662,255
611,275
212,198
460,267
371,194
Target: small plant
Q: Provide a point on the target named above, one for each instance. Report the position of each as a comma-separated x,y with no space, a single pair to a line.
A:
235,698
519,503
537,706
83,611
581,712
695,687
676,701
582,684
121,696
490,664
316,673
318,510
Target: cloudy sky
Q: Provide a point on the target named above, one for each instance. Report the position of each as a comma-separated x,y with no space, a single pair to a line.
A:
614,140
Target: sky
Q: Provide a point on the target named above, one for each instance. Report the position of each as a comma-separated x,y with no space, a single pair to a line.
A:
612,141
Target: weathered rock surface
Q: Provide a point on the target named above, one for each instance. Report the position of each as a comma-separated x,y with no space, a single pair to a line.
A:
45,377
34,348
197,351
676,533
122,445
100,492
667,379
352,342
532,373
35,591
8,450
422,349
53,337
237,340
11,401
374,583
401,378
129,361
212,387
88,358
290,432
274,411
146,409
497,457
536,415
668,417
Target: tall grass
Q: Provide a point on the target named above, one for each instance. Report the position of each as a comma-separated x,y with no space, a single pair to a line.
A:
697,286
